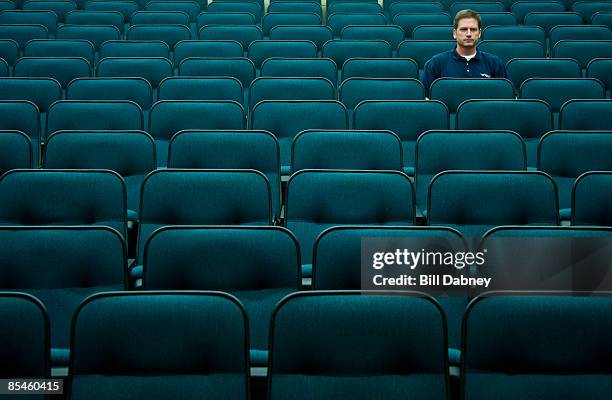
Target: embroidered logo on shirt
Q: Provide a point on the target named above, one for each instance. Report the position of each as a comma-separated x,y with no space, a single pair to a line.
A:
485,75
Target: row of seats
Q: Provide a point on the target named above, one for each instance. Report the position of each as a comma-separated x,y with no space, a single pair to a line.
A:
126,345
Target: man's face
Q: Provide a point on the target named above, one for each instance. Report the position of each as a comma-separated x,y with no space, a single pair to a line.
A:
467,33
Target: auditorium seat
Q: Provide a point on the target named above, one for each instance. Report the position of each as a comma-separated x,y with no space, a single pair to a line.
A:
601,68
206,48
84,17
586,115
521,69
60,48
62,69
421,51
125,7
300,68
160,18
476,6
353,91
497,18
153,69
201,88
97,34
588,8
15,151
582,51
380,68
267,88
21,34
137,90
272,19
579,32
548,20
59,7
506,50
48,19
342,50
434,32
602,18
9,49
514,32
337,21
454,91
253,8
225,18
240,68
409,21
391,34
295,6
243,34
591,199
136,49
169,34
22,116
406,7
521,8
191,8
260,50
318,34
354,7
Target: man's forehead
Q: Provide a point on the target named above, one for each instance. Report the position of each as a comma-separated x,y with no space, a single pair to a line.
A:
467,22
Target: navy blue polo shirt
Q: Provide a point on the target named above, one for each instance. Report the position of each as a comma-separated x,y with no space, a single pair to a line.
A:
451,65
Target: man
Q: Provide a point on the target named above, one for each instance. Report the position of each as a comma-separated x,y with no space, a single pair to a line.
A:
464,61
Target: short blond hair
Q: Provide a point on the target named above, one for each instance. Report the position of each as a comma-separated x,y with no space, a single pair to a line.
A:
467,14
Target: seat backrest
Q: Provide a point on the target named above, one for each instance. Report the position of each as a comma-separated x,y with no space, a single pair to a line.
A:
497,18
243,6
267,88
261,50
509,49
519,32
589,8
579,32
300,67
191,8
339,20
548,20
137,90
295,6
125,7
15,151
521,8
22,34
9,50
60,48
318,34
22,116
84,17
47,18
243,34
272,19
41,91
353,91
134,48
454,91
380,68
391,34
586,115
63,69
169,34
153,69
96,34
59,7
342,50
201,88
591,199
557,91
240,68
582,51
433,32
160,18
521,69
409,21
421,51
206,48
601,68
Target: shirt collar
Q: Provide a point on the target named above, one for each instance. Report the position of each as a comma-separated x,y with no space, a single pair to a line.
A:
461,58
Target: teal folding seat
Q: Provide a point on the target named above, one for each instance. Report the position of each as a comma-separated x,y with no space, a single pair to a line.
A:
226,149
243,34
589,8
565,155
354,7
7,5
96,34
556,91
259,265
131,154
295,6
521,69
9,49
201,88
438,151
41,91
25,337
559,346
59,7
409,21
134,49
254,8
160,18
338,21
586,115
20,34
601,68
61,266
48,19
591,199
475,201
579,32
4,68
85,17
240,68
266,88
206,48
336,149
125,7
344,342
153,69
272,19
548,20
521,8
169,34
414,7
207,197
497,18
261,50
15,151
353,91
404,68
190,8
433,32
210,357
342,50
422,50
602,18
22,116
319,35
407,119
168,117
285,119
582,51
319,199
137,90
301,68
54,48
478,6
454,91
529,118
63,69
509,49
391,34
518,32
225,18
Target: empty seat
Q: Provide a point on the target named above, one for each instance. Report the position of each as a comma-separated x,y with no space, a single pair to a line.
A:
557,91
48,19
59,7
342,50
589,8
41,91
129,153
206,48
497,18
338,21
353,91
266,88
285,119
225,18
521,69
60,48
354,7
519,32
380,68
509,49
96,34
211,355
15,151
357,345
169,34
582,51
125,7
365,150
591,199
259,265
602,18
547,331
168,117
476,201
261,50
392,34
153,69
579,32
586,115
521,8
22,116
201,88
243,34
226,149
94,115
422,50
548,20
485,6
295,6
240,68
61,266
160,18
20,34
191,8
432,32
317,34
529,118
254,8
454,91
134,48
84,17
25,336
207,197
407,119
272,19
304,67
319,199
601,68
137,90
438,151
409,21
62,69
415,7
9,50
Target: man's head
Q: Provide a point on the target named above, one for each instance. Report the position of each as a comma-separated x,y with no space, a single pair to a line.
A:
466,31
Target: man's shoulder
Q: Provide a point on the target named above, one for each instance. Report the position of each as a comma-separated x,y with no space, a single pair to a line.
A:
489,57
443,56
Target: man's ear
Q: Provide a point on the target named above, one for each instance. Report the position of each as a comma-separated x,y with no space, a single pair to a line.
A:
454,34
